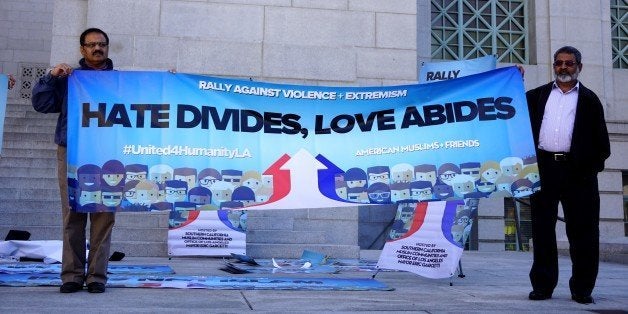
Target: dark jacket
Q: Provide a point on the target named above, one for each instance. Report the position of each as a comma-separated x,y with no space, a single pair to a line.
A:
50,95
590,145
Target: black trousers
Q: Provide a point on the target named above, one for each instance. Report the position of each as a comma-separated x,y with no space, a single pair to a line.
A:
577,191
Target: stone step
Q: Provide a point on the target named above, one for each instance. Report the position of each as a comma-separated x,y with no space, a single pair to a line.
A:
29,206
24,220
15,114
39,183
19,106
26,172
143,219
30,153
119,234
30,114
27,137
295,250
26,194
270,236
124,220
10,144
29,128
136,233
620,258
140,248
42,163
45,120
329,227
15,108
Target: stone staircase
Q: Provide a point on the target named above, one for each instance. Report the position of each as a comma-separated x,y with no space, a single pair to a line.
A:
29,194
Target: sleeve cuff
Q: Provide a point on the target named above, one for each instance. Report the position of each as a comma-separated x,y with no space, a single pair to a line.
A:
48,78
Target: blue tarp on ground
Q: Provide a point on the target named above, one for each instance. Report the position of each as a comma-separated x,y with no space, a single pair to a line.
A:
212,283
41,268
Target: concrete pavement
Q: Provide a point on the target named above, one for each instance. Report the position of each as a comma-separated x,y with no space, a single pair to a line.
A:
493,282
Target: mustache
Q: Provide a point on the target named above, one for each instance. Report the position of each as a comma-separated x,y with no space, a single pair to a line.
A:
98,52
566,77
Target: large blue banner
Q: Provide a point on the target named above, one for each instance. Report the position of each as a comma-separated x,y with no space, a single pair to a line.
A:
158,140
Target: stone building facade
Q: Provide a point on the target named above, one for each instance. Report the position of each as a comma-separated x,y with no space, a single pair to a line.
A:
313,42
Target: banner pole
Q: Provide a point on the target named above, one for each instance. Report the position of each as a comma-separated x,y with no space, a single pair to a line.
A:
375,274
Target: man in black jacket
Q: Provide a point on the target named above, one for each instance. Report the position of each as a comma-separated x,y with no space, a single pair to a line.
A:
572,144
50,95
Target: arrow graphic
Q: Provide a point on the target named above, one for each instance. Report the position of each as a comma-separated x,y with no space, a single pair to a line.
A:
327,178
301,184
281,179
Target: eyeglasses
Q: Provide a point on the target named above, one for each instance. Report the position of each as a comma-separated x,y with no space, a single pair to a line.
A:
383,176
92,45
376,195
139,176
175,192
567,63
207,181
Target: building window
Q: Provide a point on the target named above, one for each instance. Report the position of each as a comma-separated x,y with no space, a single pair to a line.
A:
28,76
619,33
625,182
467,29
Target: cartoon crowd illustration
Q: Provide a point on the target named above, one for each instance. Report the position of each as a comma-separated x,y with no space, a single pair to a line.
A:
114,186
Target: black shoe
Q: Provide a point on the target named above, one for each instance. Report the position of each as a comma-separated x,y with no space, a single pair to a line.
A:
95,287
70,287
537,296
582,299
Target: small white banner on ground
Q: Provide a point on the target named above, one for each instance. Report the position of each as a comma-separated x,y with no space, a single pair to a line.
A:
207,233
445,70
427,248
48,250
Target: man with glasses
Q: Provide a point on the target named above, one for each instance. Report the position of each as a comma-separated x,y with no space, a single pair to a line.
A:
572,144
50,96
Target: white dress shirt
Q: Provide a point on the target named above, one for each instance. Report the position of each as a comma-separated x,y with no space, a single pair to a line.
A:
558,120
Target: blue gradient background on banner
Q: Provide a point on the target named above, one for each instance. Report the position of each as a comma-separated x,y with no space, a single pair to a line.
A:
286,149
498,138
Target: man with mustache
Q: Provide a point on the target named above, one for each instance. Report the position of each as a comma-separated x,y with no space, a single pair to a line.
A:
572,144
50,96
